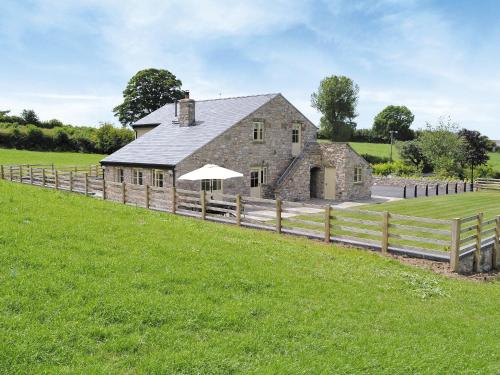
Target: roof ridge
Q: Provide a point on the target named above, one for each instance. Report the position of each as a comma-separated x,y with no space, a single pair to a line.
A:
237,97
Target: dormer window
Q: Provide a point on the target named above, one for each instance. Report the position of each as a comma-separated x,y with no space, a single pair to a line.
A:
258,131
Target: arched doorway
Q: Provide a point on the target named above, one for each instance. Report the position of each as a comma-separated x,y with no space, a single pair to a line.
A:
314,182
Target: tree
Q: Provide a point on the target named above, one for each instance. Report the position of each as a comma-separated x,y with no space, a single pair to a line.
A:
475,151
443,148
336,99
411,153
396,118
29,116
147,91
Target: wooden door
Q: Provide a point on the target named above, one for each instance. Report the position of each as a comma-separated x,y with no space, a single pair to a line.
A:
330,183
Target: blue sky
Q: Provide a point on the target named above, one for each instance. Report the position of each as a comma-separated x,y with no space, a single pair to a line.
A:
71,59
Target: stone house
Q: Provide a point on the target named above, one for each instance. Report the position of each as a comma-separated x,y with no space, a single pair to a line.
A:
264,137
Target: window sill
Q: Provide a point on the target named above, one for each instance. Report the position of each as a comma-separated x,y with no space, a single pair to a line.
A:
260,142
358,182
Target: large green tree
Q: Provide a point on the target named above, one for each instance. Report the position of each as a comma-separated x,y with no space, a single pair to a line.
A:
443,148
336,99
397,118
147,90
475,151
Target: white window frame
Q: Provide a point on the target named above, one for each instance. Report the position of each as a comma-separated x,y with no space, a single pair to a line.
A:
296,128
358,175
258,131
263,176
120,175
137,176
156,180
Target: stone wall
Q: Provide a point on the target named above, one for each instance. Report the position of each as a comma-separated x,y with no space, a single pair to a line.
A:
337,155
110,174
402,181
236,150
467,261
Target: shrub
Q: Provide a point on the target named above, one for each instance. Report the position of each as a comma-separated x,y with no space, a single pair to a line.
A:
397,168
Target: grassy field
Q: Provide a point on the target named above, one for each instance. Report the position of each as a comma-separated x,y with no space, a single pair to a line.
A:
445,206
383,150
97,287
11,156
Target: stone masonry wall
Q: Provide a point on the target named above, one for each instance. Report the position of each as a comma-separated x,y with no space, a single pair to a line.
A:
236,150
486,264
402,181
338,155
110,174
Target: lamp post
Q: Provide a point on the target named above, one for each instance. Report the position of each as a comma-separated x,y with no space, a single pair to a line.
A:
392,132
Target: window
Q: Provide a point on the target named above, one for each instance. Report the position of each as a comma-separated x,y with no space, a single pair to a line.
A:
254,179
263,176
296,133
211,185
137,177
358,174
158,178
119,175
258,131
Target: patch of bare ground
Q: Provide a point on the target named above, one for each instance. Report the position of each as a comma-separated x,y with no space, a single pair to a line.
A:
443,268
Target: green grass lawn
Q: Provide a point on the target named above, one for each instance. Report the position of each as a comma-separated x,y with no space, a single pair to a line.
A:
445,206
98,287
12,156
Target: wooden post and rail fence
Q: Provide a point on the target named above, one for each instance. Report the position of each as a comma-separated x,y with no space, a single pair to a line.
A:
468,244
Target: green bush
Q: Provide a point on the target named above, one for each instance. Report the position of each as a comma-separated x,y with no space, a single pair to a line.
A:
397,168
374,159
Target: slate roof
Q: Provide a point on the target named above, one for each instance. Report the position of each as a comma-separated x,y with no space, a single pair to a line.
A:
169,143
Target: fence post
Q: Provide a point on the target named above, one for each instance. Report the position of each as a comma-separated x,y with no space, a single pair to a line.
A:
56,178
385,232
71,181
465,186
437,189
43,176
404,192
278,215
203,201
174,200
124,193
496,246
1,171
21,174
427,190
238,209
455,245
477,253
10,172
456,187
86,184
103,189
147,196
415,193
447,189
31,175
327,223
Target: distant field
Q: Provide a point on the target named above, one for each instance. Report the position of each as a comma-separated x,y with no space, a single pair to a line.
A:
383,150
93,287
11,156
376,149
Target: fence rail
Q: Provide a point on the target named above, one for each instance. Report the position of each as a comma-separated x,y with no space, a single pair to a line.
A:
488,184
444,240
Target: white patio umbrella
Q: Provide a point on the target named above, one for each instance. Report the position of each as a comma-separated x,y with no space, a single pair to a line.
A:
210,172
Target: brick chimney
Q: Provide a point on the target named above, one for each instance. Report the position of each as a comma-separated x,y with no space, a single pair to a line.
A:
186,111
